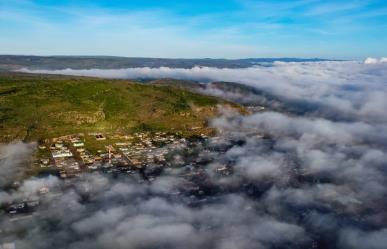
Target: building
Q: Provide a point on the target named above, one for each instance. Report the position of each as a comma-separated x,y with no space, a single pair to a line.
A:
78,144
61,153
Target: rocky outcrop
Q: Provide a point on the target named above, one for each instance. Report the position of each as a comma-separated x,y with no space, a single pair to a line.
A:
74,117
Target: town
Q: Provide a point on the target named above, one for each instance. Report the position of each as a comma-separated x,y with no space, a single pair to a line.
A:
71,155
146,154
143,154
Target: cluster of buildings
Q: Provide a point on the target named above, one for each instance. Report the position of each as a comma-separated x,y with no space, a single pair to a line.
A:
73,154
70,154
62,152
140,152
27,204
147,149
67,154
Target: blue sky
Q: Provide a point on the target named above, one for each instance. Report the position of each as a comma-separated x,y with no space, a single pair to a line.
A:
195,29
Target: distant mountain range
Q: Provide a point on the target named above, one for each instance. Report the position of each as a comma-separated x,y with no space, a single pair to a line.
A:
14,62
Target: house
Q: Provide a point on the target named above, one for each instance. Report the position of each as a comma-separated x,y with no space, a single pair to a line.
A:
61,153
59,145
78,144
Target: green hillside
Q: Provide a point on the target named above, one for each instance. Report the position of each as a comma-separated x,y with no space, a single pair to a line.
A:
42,106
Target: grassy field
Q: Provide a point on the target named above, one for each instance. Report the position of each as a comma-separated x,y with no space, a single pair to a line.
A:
35,107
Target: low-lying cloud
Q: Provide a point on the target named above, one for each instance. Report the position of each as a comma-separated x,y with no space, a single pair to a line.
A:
371,60
315,180
13,159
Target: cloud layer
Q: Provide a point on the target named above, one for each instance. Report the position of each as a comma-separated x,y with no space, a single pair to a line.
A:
315,180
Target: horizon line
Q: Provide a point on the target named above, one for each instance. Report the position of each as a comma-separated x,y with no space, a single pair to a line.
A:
179,58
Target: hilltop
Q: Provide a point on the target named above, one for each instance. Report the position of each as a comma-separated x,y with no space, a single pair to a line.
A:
41,106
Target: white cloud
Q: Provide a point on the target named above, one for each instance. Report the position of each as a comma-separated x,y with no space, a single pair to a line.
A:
12,159
371,60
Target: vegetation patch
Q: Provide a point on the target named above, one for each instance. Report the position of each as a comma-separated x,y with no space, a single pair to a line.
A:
43,106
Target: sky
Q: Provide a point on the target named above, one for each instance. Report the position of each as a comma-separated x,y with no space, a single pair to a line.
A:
195,29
